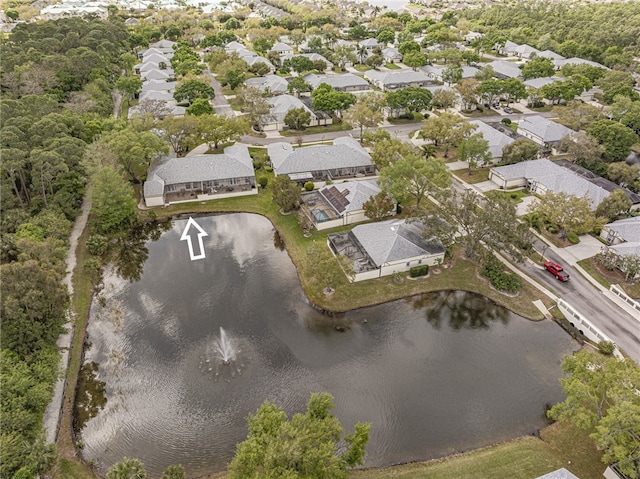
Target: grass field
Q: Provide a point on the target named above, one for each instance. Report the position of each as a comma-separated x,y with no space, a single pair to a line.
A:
474,176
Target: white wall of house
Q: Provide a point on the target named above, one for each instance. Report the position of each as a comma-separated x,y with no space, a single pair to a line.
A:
348,219
503,183
154,201
399,266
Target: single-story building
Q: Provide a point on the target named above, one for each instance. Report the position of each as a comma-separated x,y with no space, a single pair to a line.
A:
348,82
542,131
505,70
553,56
157,74
526,51
345,159
282,49
543,175
538,83
200,177
509,48
561,473
159,85
577,61
269,84
370,44
339,204
621,231
391,55
398,79
254,59
496,139
386,247
281,105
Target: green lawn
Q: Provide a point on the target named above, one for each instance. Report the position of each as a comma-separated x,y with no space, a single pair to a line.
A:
361,67
392,66
474,176
523,458
515,195
318,130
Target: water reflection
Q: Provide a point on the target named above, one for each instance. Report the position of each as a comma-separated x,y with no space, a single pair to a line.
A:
131,249
460,310
470,375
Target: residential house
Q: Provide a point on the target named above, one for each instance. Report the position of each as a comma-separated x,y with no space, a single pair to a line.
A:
348,82
622,231
282,49
166,46
157,74
345,159
577,61
164,96
623,236
254,59
398,79
201,177
339,204
505,70
543,175
391,55
370,44
561,473
542,131
495,138
435,72
386,247
233,46
147,66
281,105
145,55
270,84
471,36
526,52
553,56
538,83
159,85
509,48
304,47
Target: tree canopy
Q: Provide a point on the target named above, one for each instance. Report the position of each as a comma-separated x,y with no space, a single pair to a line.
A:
602,399
305,446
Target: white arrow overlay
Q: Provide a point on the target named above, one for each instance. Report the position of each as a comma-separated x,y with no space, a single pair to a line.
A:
187,237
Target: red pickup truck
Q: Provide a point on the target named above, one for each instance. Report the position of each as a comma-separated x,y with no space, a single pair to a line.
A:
556,270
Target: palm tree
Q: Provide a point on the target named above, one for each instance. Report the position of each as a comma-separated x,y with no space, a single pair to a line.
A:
127,469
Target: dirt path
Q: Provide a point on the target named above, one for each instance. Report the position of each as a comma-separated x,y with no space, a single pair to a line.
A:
51,419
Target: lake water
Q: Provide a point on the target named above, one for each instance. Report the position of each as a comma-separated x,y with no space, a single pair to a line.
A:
434,374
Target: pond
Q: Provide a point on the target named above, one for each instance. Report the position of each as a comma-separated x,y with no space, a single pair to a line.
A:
434,374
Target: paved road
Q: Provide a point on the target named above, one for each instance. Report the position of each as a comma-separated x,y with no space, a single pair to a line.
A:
612,320
220,103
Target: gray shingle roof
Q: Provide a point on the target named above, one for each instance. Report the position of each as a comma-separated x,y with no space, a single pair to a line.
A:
336,81
540,82
505,68
496,139
234,163
281,47
282,104
561,473
554,178
311,56
403,76
628,228
578,61
627,249
548,130
394,240
344,153
274,83
159,85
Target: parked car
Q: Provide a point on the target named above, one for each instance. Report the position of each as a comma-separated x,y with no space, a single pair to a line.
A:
557,270
508,110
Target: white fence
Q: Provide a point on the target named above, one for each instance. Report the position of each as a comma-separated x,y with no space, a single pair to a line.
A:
615,289
584,326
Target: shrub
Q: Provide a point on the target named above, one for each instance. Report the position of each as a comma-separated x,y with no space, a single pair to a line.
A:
506,121
97,244
500,279
552,229
263,181
309,186
514,196
573,238
268,169
606,347
426,115
417,271
257,164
